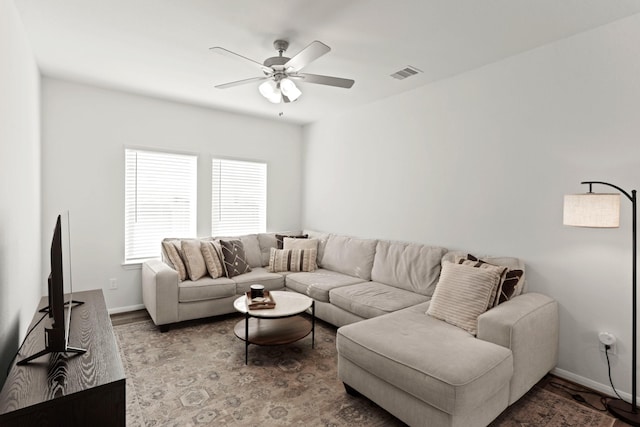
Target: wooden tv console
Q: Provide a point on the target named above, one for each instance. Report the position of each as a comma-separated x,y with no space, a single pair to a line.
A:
77,390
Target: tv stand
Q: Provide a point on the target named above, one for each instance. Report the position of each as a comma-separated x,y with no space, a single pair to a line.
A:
87,389
47,351
48,310
55,341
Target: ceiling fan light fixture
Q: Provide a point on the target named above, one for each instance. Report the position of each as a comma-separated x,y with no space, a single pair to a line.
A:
289,89
269,90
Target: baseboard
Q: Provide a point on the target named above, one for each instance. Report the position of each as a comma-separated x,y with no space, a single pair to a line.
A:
126,309
586,382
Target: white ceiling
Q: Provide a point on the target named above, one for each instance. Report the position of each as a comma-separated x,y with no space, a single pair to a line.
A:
161,47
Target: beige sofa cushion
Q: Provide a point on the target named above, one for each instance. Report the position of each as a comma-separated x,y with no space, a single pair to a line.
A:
463,293
260,275
349,255
436,362
193,259
409,266
322,243
371,299
317,284
212,259
172,249
206,289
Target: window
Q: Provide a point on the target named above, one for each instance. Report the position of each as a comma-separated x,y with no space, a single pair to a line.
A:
160,200
239,197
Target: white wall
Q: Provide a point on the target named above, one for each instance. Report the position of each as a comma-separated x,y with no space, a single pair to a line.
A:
481,162
85,130
20,278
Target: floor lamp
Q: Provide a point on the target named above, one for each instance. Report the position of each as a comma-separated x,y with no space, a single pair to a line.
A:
603,211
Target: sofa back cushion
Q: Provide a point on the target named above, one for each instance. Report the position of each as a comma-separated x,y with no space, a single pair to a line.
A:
408,266
349,255
322,243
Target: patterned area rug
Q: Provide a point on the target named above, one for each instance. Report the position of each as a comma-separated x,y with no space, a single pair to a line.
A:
195,375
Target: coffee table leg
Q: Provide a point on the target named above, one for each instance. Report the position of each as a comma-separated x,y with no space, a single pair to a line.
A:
313,324
246,339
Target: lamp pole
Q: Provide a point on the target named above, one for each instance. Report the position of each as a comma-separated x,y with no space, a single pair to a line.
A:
617,407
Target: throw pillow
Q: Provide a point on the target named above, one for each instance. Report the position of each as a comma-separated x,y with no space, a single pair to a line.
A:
234,258
292,260
295,243
510,285
463,293
280,239
193,259
173,249
212,259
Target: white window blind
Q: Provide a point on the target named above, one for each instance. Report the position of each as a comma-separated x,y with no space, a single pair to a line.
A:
160,200
239,197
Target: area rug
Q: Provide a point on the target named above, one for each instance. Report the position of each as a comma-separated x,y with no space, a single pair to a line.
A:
195,375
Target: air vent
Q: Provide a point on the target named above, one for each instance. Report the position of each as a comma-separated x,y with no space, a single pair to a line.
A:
406,72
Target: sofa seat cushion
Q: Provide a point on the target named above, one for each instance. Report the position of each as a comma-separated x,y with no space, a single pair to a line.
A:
271,281
205,288
371,299
317,284
436,362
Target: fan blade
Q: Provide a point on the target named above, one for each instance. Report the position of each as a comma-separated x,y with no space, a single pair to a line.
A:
324,80
241,82
310,53
230,54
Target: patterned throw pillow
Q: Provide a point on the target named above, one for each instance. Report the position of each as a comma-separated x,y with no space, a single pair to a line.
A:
280,239
292,260
510,284
173,249
234,258
212,259
193,259
463,293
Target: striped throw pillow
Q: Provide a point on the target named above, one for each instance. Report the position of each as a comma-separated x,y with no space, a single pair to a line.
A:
463,293
292,260
172,250
212,259
511,283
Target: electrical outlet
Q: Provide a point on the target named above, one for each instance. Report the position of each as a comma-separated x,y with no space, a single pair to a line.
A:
606,338
113,283
612,349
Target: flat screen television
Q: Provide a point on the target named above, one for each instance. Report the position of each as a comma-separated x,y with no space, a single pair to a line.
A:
60,295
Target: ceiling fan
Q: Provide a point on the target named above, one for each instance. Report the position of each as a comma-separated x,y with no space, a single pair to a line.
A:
281,71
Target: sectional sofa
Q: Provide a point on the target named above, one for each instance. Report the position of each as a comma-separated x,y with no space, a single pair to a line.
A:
396,342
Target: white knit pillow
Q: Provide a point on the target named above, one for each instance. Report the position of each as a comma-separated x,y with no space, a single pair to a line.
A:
463,293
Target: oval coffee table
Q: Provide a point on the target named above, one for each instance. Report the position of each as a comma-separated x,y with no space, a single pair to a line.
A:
276,326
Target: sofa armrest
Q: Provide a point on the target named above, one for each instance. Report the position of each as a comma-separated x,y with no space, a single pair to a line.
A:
528,325
160,291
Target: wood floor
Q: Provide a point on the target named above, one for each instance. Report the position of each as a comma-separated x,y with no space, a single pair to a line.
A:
550,382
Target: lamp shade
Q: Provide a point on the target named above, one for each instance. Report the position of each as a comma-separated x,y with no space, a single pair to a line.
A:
289,89
598,210
270,91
